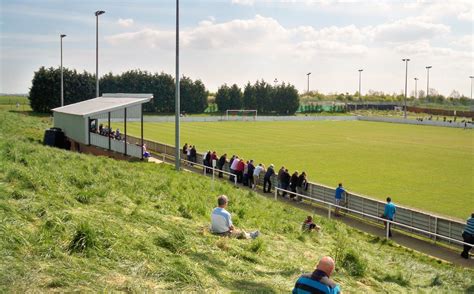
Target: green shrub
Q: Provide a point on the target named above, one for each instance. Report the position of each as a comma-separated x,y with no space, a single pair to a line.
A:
84,239
354,264
257,246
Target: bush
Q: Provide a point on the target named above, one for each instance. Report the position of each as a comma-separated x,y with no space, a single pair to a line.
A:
354,264
84,239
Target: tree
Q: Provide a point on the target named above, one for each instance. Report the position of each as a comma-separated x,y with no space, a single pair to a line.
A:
45,92
223,98
235,97
249,99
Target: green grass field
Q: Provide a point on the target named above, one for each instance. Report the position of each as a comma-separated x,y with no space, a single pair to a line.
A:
429,168
77,223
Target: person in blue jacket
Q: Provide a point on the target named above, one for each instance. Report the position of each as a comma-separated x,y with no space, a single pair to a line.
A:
389,213
319,281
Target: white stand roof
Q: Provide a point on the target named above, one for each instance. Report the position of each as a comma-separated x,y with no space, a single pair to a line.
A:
106,103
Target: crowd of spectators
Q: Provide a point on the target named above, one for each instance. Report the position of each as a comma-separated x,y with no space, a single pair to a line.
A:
106,131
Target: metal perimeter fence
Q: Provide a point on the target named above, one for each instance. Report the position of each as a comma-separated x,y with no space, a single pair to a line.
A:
439,229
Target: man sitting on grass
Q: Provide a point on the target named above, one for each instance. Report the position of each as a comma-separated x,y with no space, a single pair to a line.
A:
221,222
318,281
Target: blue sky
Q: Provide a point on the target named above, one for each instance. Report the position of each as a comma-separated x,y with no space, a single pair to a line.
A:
235,41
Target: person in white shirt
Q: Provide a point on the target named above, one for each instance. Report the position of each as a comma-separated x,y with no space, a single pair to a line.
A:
221,222
256,174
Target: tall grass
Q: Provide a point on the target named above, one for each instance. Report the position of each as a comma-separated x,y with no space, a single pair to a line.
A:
72,222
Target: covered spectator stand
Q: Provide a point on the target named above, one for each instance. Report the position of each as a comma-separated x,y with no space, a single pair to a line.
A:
102,122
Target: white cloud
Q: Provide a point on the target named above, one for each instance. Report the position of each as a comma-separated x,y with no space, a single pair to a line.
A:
127,22
408,29
244,2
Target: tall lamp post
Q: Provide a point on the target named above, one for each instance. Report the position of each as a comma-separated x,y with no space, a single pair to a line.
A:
416,89
275,81
97,13
428,81
308,74
471,77
177,98
406,87
62,79
360,74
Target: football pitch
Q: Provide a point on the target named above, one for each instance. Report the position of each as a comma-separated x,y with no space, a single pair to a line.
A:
423,167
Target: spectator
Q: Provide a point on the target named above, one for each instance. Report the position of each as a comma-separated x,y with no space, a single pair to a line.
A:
207,161
245,180
250,170
301,185
185,149
214,157
256,174
146,154
309,226
285,181
267,179
293,183
389,213
101,128
319,281
118,135
468,236
194,154
280,174
220,163
221,222
239,170
188,152
340,194
233,168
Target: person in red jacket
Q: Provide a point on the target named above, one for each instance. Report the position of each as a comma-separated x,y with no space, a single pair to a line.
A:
240,170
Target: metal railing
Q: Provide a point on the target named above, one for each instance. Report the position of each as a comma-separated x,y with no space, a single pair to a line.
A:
389,222
204,167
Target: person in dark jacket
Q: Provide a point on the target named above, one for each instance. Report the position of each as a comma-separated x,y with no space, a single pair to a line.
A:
193,154
318,281
250,169
293,183
301,185
285,181
267,179
207,160
221,163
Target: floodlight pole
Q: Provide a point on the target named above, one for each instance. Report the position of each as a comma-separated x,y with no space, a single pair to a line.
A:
275,81
471,77
360,78
177,98
428,81
406,87
416,89
61,36
97,13
308,74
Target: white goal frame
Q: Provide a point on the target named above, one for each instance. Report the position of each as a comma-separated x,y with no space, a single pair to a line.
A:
240,113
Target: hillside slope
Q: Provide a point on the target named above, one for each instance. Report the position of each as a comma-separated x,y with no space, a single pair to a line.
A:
76,222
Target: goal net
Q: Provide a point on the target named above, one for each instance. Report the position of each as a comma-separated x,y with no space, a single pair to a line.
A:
241,114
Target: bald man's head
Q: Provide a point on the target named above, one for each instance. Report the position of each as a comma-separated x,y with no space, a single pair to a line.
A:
327,265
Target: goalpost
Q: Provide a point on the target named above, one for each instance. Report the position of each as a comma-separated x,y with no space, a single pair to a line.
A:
241,114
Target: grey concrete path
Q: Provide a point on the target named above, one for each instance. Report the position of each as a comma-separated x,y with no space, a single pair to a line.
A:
423,246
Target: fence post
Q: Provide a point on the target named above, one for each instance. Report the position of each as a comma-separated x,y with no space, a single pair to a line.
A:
235,180
276,193
329,211
435,228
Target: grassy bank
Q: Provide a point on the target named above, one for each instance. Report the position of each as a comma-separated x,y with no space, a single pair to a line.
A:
77,222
